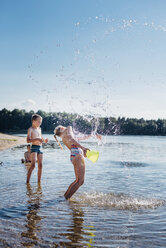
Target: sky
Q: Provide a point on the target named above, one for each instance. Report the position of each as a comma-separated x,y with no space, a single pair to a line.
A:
98,57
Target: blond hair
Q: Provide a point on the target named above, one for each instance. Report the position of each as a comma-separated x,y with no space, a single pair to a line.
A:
57,131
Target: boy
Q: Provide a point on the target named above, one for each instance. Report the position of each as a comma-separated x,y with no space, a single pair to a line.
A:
78,153
34,136
27,155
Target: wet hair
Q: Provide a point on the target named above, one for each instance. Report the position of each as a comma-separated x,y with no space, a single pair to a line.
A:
57,130
28,146
35,117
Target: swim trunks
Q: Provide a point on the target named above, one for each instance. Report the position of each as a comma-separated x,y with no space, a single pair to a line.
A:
36,149
75,151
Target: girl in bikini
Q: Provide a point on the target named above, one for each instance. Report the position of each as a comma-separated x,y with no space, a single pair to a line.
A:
77,155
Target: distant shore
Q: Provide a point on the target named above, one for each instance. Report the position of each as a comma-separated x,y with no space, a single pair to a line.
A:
19,121
9,141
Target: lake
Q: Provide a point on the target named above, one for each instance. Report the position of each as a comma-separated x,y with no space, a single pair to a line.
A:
121,204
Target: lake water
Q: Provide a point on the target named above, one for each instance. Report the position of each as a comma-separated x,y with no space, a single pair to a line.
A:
121,204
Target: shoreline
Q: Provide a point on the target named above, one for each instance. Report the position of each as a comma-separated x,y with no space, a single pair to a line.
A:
8,141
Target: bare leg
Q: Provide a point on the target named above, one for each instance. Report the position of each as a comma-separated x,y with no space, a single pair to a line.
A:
39,160
33,160
79,169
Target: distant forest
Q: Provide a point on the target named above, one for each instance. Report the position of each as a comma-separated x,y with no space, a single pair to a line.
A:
20,120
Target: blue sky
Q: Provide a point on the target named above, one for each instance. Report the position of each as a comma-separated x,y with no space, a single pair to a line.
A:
99,57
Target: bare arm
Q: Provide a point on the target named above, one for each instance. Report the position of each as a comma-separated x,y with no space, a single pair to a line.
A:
74,142
44,140
84,137
89,136
69,132
33,140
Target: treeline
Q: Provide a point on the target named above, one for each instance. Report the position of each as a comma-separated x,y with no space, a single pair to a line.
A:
20,120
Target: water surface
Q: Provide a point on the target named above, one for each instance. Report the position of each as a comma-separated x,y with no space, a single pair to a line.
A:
121,204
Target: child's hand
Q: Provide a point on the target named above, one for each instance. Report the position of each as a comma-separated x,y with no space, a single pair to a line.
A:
98,136
46,140
85,151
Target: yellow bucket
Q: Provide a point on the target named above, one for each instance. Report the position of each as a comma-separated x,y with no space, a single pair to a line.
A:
92,155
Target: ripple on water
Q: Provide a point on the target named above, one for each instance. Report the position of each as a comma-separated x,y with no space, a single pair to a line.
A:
118,201
132,164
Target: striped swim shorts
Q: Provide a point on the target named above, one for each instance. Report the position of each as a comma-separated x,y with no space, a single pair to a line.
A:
36,149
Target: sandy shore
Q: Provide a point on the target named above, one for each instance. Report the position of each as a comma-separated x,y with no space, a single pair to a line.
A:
8,141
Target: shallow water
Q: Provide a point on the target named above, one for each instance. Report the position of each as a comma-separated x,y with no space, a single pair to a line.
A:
121,204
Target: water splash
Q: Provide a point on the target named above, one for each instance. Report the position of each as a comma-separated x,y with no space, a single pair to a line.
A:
85,71
118,201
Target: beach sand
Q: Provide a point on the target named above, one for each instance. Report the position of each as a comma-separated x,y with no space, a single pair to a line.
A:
8,141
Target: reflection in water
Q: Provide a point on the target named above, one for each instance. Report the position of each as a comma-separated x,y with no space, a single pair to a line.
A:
90,230
78,234
33,218
126,210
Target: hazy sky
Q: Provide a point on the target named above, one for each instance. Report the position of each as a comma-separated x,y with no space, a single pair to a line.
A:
103,57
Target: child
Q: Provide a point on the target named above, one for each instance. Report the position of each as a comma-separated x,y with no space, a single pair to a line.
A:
78,153
34,136
27,155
